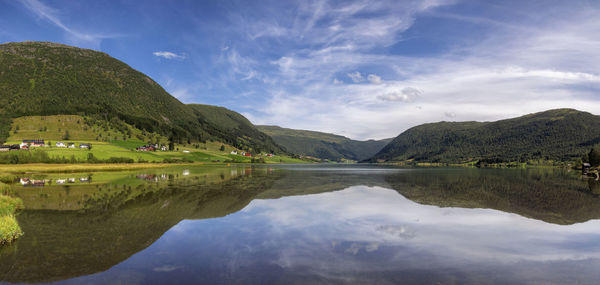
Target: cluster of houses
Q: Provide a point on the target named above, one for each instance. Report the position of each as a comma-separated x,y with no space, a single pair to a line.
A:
159,177
243,153
72,145
152,147
27,182
26,144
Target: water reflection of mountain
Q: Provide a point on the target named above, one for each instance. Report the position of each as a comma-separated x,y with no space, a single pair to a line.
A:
548,195
80,229
116,221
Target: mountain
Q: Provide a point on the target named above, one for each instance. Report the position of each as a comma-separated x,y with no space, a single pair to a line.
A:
42,78
234,128
561,134
323,145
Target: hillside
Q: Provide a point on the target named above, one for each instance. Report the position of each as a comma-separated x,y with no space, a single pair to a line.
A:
41,78
323,145
562,134
234,128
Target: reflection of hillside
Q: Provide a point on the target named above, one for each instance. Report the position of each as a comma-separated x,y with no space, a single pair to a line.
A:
538,194
74,230
66,244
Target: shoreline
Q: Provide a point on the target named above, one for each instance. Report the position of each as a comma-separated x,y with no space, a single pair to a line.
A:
84,167
9,226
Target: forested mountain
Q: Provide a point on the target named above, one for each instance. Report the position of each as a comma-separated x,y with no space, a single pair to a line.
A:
233,128
323,145
41,78
562,134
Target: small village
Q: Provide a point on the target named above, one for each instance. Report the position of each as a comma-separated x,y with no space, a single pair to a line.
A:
27,144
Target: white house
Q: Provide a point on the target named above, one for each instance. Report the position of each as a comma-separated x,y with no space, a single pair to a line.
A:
71,145
84,145
233,152
60,144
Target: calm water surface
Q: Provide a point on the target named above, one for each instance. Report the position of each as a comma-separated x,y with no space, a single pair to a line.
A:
307,225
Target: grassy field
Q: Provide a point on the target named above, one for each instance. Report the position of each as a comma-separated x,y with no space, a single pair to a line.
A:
54,128
9,227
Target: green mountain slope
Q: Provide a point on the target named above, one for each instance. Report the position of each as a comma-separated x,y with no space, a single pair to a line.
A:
234,128
562,134
41,78
323,145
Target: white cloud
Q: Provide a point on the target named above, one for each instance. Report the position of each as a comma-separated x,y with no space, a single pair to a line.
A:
337,82
49,14
407,94
511,72
168,55
374,79
356,77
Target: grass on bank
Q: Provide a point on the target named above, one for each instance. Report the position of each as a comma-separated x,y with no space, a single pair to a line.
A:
80,167
9,227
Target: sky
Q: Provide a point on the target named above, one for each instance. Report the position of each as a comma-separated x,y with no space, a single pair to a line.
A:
362,69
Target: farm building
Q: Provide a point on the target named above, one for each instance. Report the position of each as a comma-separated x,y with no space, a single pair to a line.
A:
146,148
35,143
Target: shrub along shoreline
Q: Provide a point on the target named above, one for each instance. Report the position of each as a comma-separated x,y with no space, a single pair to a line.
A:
9,227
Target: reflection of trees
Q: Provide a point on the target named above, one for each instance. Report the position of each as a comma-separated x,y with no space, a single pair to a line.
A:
115,225
101,225
540,194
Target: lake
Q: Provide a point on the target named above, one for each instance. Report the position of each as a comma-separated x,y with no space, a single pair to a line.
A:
307,224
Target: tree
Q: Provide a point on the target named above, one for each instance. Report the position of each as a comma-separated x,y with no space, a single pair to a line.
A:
171,146
66,136
222,147
91,158
594,157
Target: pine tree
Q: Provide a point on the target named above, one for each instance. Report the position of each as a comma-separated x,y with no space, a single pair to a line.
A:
594,157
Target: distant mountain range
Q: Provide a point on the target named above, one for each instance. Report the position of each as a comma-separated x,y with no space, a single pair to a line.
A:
562,134
323,145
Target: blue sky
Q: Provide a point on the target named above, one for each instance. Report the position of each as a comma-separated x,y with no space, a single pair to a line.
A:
363,69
